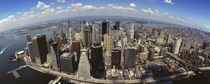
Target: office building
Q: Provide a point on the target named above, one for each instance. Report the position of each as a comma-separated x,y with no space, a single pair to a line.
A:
70,36
117,25
76,48
84,65
68,64
132,32
129,57
55,56
116,58
40,48
30,51
105,27
177,45
97,60
87,37
28,38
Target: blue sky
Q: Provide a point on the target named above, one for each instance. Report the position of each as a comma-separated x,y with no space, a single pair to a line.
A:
194,13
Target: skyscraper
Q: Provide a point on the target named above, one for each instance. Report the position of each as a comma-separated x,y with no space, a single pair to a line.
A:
132,32
84,65
68,63
28,38
116,58
97,60
40,48
76,48
70,36
117,25
129,57
105,26
87,37
30,51
55,56
177,45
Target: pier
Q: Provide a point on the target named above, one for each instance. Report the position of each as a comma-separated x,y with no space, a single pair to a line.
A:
14,71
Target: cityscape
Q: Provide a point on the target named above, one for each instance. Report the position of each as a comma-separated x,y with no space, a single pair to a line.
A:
103,48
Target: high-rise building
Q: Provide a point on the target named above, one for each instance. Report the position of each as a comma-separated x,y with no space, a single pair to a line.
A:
169,38
68,63
28,38
132,32
105,27
107,44
70,36
30,51
117,25
49,45
97,60
59,40
76,48
87,37
116,58
129,57
94,34
55,56
84,65
40,48
177,45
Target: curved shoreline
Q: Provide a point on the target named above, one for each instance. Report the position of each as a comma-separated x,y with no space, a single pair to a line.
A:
94,80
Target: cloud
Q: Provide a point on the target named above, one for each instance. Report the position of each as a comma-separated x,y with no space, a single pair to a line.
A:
59,8
132,5
169,2
61,1
42,5
76,4
7,20
78,9
148,10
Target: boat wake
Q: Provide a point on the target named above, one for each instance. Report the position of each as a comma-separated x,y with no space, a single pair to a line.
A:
2,51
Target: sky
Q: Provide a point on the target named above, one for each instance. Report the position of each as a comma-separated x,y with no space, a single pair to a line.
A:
192,13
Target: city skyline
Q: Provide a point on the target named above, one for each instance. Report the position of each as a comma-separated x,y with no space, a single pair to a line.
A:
23,12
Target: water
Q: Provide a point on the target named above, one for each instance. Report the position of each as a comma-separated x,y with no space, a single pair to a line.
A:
8,45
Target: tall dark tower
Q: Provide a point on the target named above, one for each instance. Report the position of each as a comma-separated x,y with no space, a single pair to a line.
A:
116,58
105,26
40,48
117,25
97,60
87,37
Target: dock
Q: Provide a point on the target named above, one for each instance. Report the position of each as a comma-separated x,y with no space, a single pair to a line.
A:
14,71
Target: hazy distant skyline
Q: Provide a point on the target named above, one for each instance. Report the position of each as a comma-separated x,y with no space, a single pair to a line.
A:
193,13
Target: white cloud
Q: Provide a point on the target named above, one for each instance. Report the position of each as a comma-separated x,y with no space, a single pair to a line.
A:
7,20
78,9
59,8
48,11
132,5
168,1
61,1
42,5
76,4
89,7
148,10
